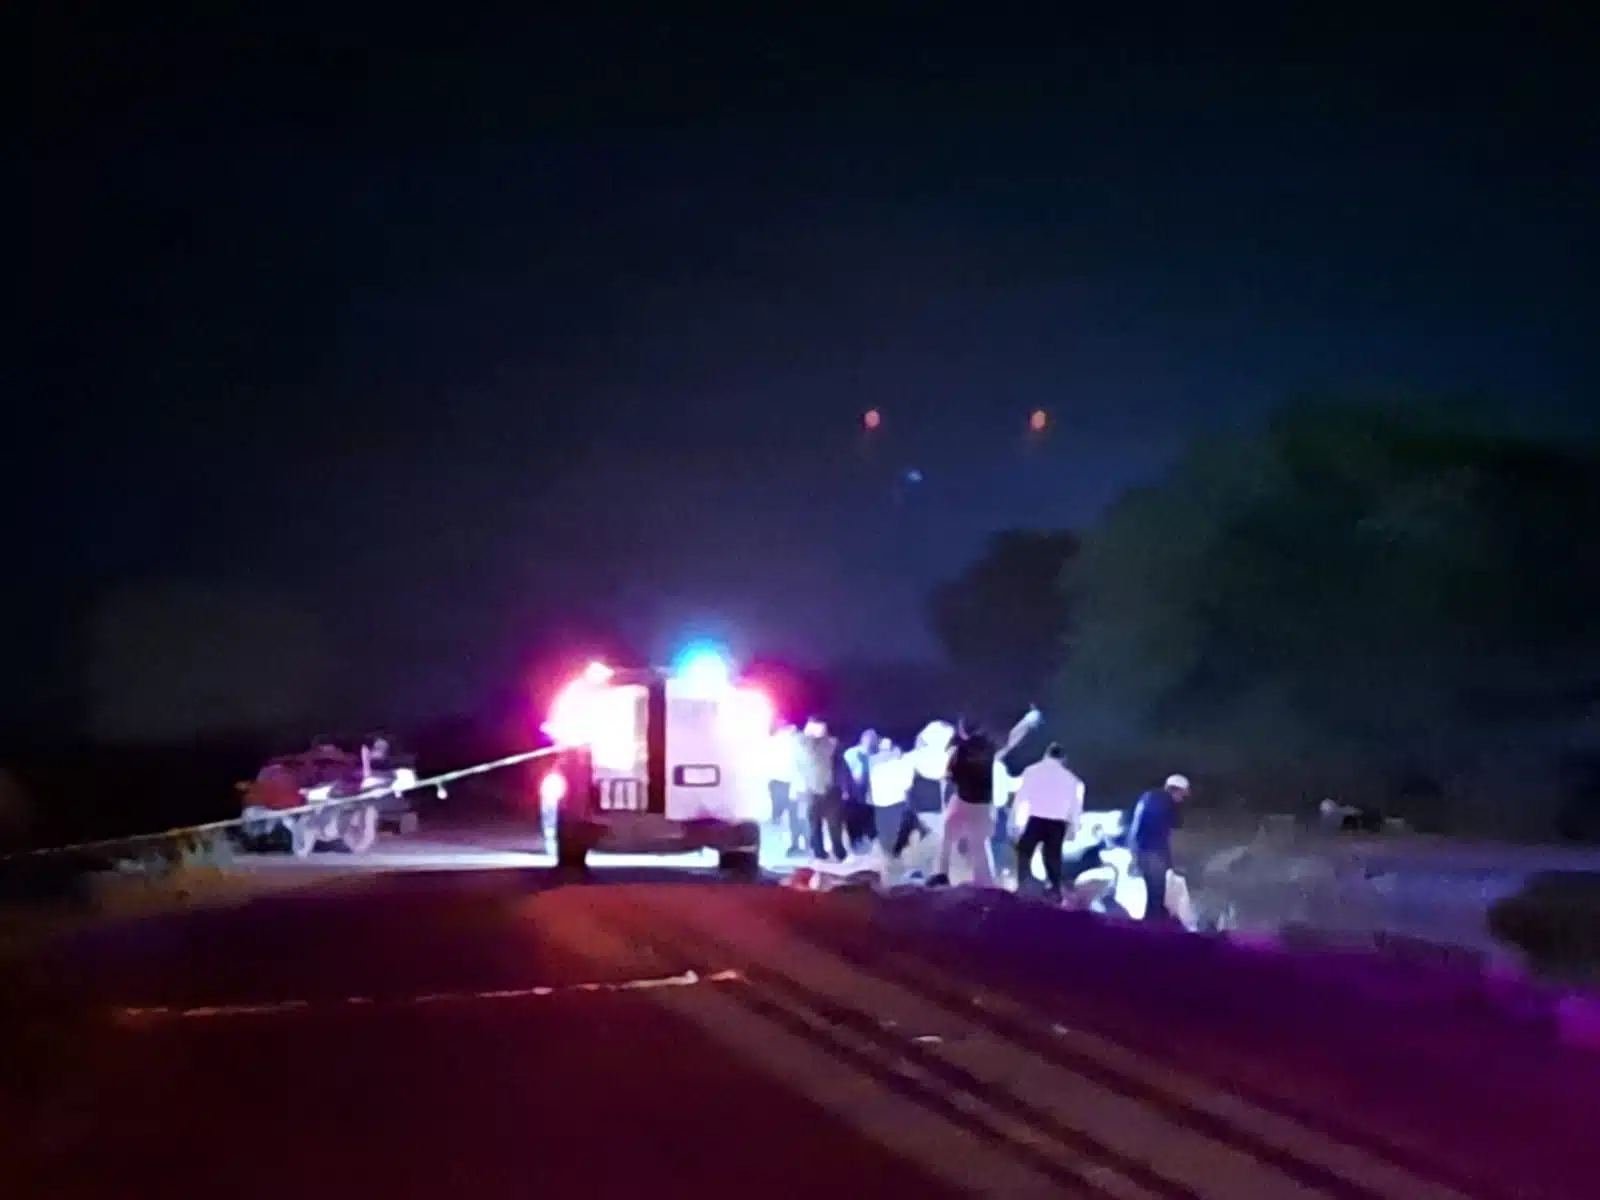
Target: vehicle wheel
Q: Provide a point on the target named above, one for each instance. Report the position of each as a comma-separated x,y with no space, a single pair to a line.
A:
572,846
571,853
742,864
303,838
361,829
408,823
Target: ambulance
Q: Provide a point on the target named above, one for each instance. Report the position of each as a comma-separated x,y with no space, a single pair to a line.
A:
659,761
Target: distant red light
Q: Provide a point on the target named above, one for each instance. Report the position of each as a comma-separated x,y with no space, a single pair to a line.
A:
872,419
1038,420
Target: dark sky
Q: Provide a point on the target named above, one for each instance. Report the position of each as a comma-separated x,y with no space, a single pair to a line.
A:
451,336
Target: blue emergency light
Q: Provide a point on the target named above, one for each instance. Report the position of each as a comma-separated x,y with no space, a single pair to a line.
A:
703,669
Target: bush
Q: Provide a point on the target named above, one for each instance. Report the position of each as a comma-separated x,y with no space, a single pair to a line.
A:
1555,921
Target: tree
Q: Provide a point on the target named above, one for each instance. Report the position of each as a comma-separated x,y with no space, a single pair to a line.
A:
1002,622
17,815
1359,602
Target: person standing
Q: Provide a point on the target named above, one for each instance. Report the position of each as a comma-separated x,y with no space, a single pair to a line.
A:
969,815
817,789
1053,796
857,781
783,752
1002,842
930,759
1150,838
893,819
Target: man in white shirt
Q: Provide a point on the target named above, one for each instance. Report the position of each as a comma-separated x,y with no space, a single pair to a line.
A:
893,819
816,789
782,751
1053,796
930,757
857,781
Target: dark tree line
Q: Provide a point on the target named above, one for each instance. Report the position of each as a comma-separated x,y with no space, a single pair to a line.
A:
1394,607
1003,621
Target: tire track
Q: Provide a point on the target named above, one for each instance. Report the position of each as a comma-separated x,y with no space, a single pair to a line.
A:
1390,1161
936,1134
1023,1125
1323,1161
1151,1136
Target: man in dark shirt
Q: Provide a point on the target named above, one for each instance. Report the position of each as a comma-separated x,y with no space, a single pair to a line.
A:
1150,838
972,756
969,815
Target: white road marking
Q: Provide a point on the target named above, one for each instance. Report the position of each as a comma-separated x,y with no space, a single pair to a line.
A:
160,1012
806,1063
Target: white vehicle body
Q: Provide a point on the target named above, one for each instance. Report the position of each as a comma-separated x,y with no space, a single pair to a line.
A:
660,763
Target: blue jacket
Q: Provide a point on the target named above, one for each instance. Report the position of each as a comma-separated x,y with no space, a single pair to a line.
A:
858,774
1154,819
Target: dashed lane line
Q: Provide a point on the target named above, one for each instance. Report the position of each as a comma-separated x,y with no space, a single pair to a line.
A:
160,1012
889,1103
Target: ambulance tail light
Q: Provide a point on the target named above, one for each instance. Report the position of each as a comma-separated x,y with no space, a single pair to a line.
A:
552,789
575,714
570,723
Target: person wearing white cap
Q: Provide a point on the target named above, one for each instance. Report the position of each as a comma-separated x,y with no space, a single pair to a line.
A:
1150,839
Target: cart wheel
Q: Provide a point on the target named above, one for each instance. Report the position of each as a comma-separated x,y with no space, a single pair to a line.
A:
303,838
360,829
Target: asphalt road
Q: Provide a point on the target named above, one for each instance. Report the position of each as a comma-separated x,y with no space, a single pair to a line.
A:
504,1033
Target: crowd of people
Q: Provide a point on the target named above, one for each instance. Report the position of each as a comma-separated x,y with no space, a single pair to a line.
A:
953,784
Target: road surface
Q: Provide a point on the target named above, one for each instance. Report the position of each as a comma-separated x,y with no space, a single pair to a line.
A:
507,1033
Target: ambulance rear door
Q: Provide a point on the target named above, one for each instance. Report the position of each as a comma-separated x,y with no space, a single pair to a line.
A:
698,779
716,749
619,749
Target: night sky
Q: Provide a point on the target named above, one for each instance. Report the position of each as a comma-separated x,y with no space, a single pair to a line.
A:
436,345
